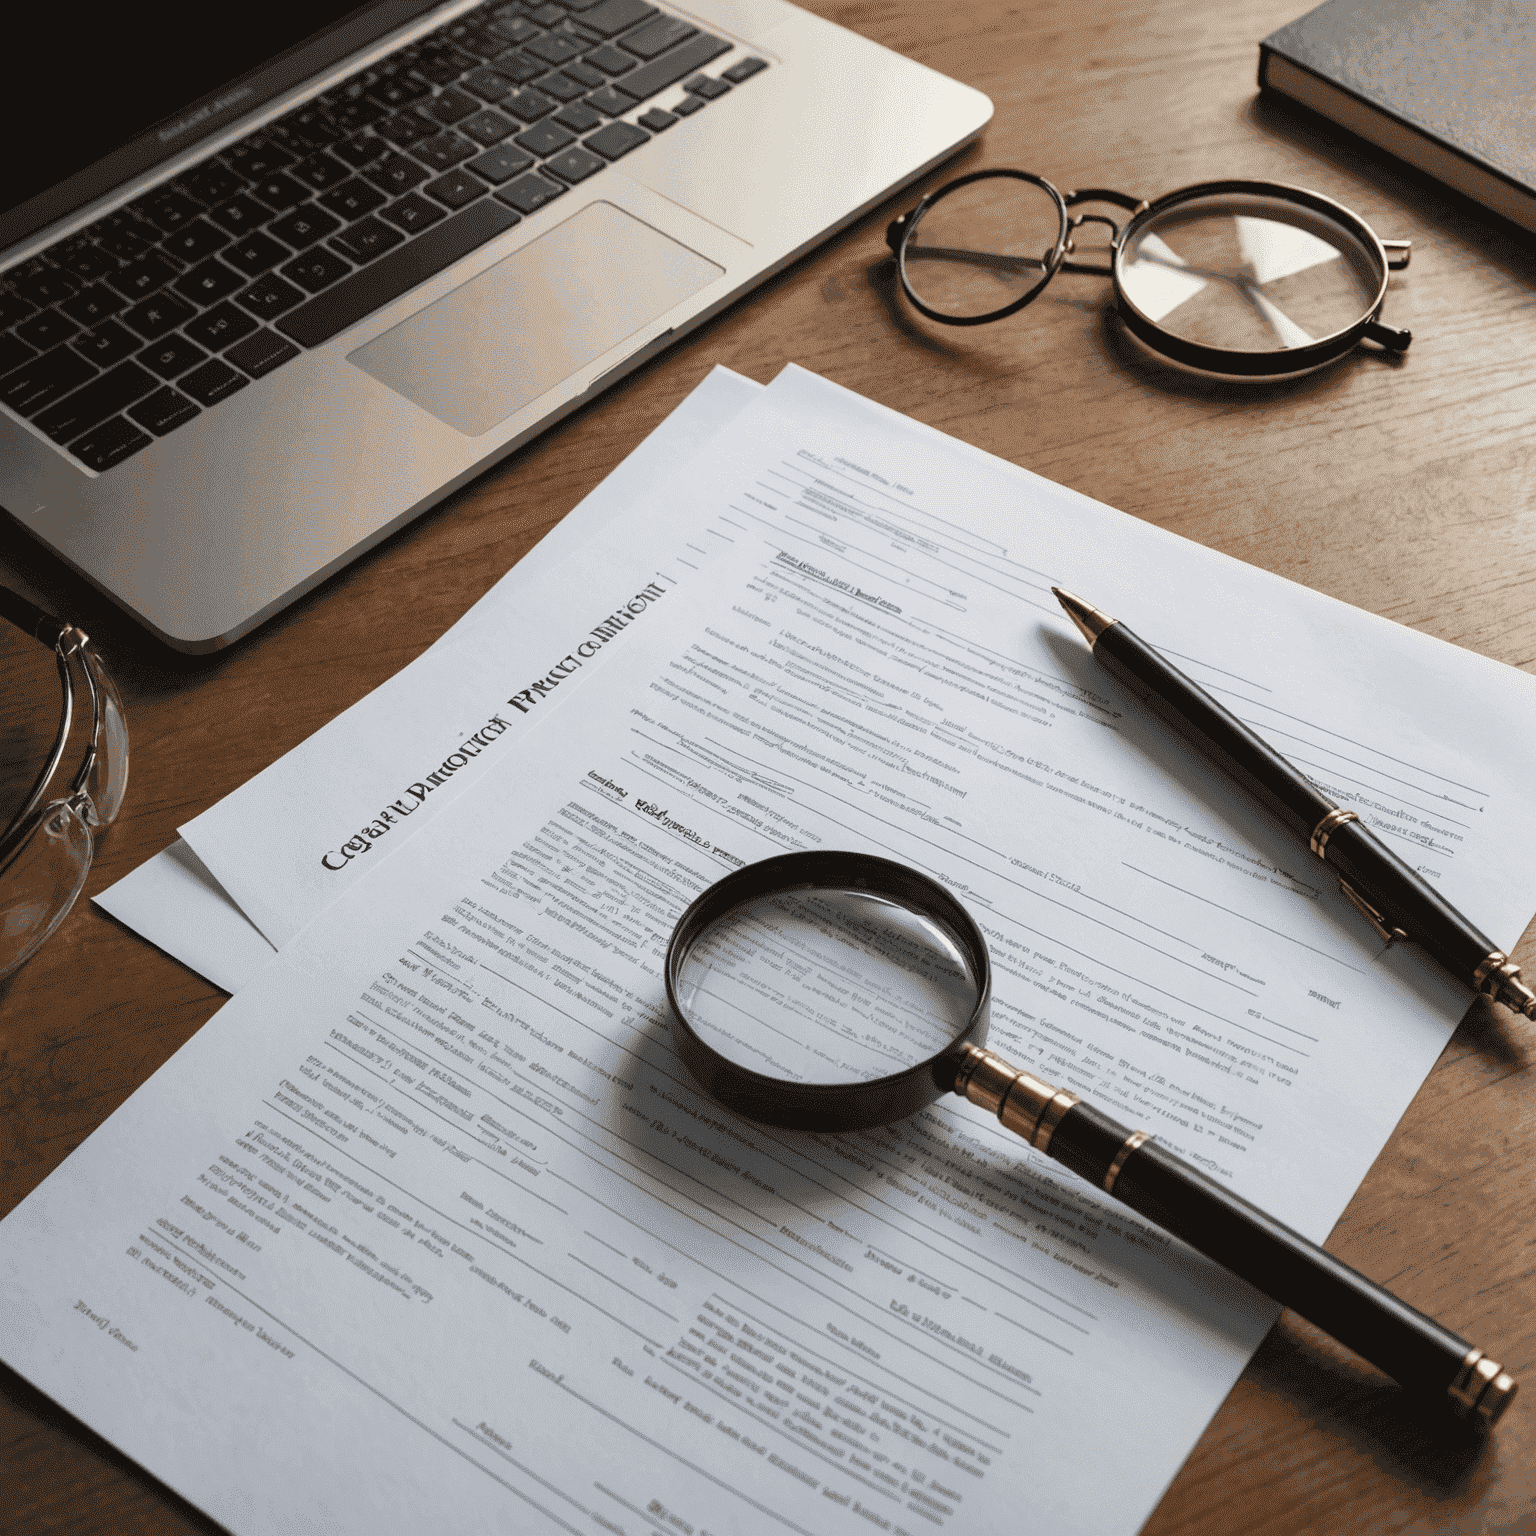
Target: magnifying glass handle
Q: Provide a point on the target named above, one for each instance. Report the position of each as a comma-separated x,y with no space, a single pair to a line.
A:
1179,1198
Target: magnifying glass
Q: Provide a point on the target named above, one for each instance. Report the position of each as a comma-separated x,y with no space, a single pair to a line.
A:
832,991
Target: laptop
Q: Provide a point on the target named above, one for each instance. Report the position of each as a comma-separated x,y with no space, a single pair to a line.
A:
273,282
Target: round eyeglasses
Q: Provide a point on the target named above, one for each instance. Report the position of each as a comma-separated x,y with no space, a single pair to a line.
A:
46,850
1241,278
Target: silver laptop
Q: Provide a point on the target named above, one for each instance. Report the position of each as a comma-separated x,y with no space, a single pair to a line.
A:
289,305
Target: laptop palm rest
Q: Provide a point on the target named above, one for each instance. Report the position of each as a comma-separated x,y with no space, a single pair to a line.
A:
499,341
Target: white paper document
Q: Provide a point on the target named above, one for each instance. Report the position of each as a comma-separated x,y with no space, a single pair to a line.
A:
174,901
428,1227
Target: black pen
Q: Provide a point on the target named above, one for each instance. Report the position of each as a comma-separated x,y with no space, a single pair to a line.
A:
1397,903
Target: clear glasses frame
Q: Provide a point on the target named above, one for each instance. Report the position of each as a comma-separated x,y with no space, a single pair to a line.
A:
46,850
1382,257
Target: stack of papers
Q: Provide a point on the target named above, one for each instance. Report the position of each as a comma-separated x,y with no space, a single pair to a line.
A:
429,1215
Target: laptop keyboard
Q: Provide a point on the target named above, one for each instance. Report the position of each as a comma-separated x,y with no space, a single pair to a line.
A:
155,313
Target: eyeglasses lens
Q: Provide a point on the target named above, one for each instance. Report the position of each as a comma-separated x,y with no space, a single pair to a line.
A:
1250,274
41,882
108,779
983,246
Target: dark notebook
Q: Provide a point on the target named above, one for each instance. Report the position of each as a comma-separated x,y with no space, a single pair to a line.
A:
1447,85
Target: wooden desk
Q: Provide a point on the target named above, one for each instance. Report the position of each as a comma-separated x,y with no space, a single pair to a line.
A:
1406,488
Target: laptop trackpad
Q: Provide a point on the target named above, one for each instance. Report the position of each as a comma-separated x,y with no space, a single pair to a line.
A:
484,351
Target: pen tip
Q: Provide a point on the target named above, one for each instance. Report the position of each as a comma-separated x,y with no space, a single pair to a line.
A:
1091,621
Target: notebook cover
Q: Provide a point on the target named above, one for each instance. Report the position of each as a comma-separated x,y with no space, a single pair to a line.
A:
1436,77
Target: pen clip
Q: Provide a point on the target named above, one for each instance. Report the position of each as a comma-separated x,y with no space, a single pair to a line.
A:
1372,916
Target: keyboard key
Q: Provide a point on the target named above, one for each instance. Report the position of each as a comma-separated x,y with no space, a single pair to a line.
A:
656,37
305,226
561,87
212,183
239,215
219,327
82,259
210,282
412,213
688,105
37,384
213,382
124,237
398,272
656,120
92,404
443,64
609,102
743,69
451,105
14,353
352,199
547,15
257,157
616,139
614,16
47,329
702,85
320,172
519,66
530,192
367,147
154,317
529,106
545,139
169,211
269,297
499,164
353,116
13,308
111,443
171,355
254,254
395,174
45,285
610,60
487,126
365,239
488,84
555,47
143,277
279,193
316,269
307,127
403,130
398,90
261,353
574,165
583,74
457,189
516,29
579,117
194,241
445,150
670,67
109,343
163,411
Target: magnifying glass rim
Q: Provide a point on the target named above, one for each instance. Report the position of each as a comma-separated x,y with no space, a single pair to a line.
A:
827,1106
1233,360
916,217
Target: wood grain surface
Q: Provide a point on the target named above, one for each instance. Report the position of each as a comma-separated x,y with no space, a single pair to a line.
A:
1405,487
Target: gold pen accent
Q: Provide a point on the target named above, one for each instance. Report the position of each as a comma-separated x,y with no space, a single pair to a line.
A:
1327,827
1091,622
1482,1390
1130,1144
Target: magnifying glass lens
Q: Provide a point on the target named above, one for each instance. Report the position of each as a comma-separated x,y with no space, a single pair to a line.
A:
1249,273
826,986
